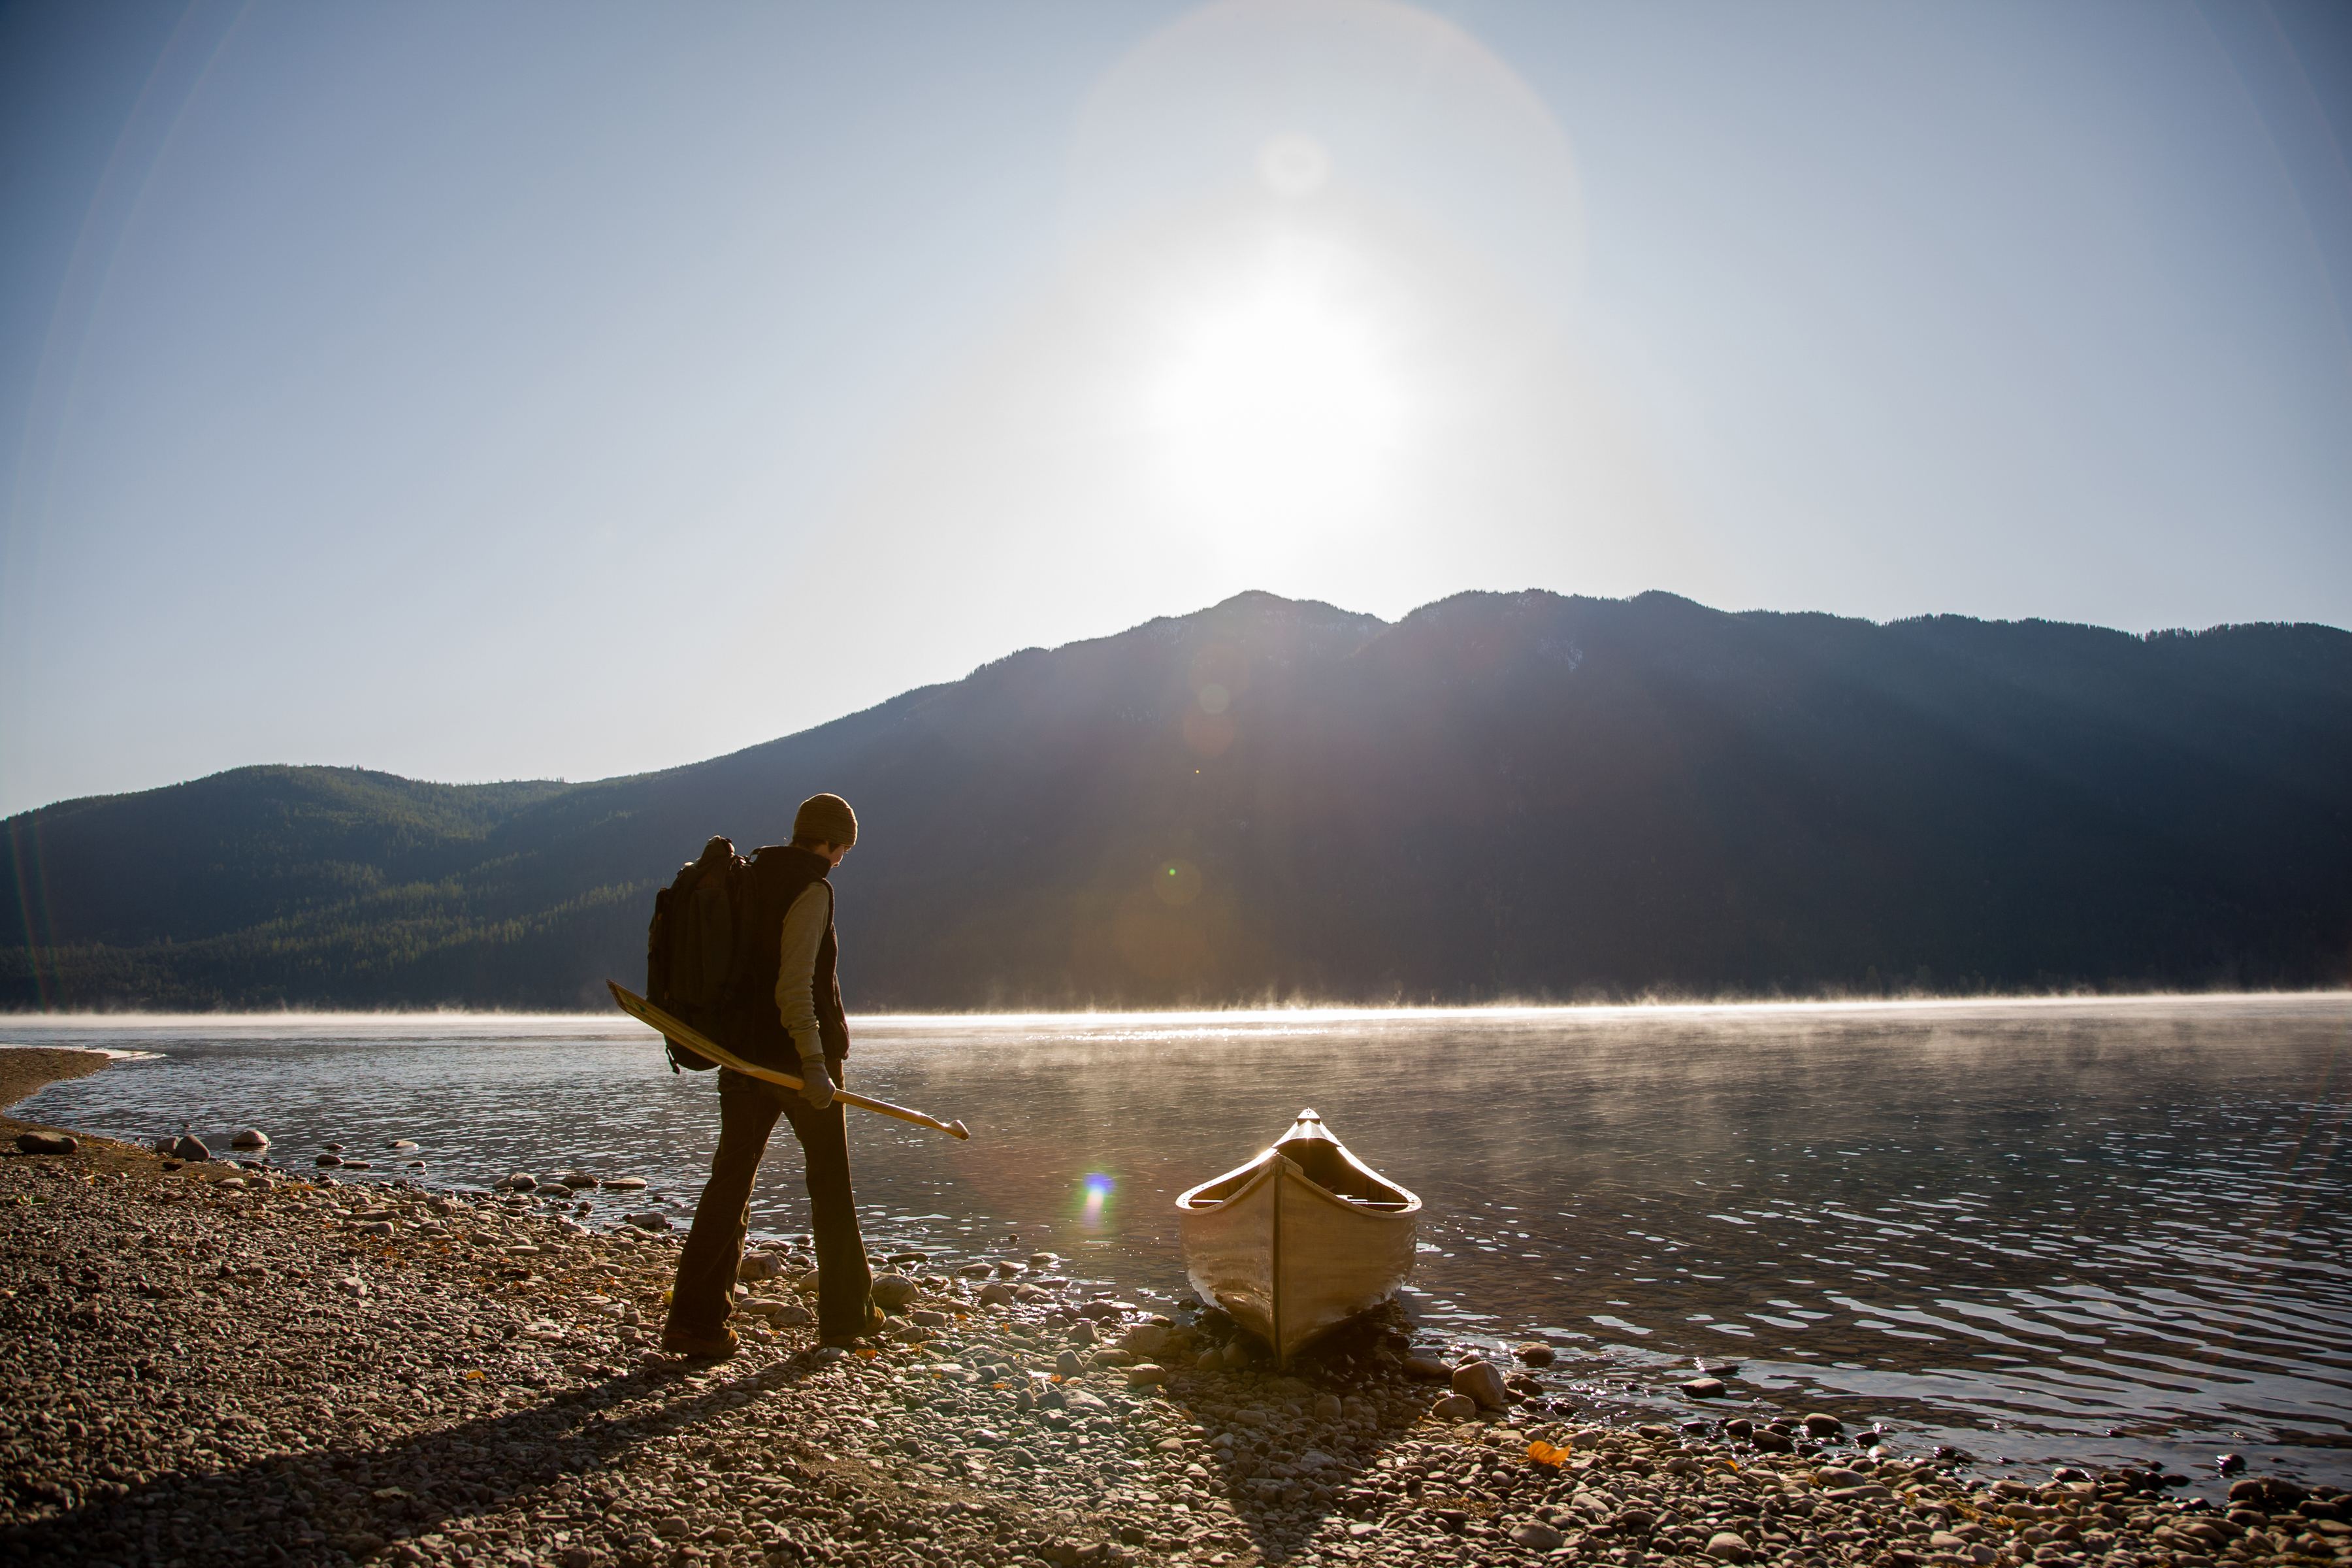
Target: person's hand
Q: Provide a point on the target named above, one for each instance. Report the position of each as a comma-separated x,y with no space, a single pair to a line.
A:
816,1083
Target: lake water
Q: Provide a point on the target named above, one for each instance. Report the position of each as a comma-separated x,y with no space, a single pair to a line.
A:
2047,1232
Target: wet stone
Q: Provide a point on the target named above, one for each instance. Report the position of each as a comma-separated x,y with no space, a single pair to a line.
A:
1483,1381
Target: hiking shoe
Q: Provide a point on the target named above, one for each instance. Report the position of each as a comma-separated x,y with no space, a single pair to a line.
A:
712,1347
862,1338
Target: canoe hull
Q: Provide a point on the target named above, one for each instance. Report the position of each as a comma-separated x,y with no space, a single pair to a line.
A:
1287,1257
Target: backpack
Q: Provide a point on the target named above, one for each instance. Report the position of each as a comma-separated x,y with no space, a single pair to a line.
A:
690,947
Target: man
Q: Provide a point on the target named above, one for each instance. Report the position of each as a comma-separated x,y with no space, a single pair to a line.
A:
788,1017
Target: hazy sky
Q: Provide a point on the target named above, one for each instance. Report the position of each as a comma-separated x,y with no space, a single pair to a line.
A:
527,390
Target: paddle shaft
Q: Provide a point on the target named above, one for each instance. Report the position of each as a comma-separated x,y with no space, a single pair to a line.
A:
700,1044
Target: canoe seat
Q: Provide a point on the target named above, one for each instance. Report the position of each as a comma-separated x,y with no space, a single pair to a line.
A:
1324,1162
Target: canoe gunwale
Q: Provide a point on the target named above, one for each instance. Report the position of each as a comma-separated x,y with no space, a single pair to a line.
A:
1192,1199
1248,1175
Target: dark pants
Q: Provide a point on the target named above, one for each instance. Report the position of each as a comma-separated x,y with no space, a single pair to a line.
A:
748,1109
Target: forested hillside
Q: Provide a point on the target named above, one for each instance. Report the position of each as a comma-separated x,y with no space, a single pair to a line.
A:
1498,797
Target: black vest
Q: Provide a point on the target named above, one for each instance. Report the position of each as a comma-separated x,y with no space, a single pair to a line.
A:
778,874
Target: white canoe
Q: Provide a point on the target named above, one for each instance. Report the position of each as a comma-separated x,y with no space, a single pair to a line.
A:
1300,1240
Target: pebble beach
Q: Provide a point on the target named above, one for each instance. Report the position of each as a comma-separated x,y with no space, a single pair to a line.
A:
216,1361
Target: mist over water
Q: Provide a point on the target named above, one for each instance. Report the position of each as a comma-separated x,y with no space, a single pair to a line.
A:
2047,1232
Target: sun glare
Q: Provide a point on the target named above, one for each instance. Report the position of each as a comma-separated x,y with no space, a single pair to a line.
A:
1279,387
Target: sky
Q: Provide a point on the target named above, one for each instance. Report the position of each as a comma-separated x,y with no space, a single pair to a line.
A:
563,390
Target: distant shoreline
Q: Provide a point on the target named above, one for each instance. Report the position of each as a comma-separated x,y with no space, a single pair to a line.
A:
1337,1010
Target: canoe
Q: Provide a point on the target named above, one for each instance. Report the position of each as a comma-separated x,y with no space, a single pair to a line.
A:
1300,1240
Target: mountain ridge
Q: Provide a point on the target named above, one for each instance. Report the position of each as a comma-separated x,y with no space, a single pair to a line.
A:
1525,795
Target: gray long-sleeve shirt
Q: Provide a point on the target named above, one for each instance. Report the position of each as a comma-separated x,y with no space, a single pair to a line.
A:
804,928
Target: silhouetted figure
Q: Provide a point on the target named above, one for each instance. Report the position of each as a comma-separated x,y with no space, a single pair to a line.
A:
788,1017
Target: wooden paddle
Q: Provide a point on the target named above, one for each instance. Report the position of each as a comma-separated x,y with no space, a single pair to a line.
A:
695,1040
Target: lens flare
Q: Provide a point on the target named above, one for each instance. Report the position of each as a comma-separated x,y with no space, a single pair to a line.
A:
1098,1188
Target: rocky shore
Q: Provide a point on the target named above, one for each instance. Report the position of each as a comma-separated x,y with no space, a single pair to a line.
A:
209,1363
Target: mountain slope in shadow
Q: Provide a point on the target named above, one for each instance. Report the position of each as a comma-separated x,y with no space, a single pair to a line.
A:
1499,796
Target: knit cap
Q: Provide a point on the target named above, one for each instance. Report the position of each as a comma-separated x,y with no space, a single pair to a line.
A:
825,819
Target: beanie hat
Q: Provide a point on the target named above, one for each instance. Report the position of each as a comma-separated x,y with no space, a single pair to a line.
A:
825,819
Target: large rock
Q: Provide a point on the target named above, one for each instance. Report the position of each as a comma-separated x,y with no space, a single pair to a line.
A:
188,1146
1703,1388
1153,1340
46,1142
1725,1546
1481,1381
523,1182
894,1292
1146,1375
1429,1368
1536,1536
758,1266
647,1221
1534,1352
996,1293
1819,1424
251,1138
1454,1407
2274,1493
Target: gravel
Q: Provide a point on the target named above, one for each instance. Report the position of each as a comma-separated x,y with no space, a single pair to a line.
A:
213,1366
